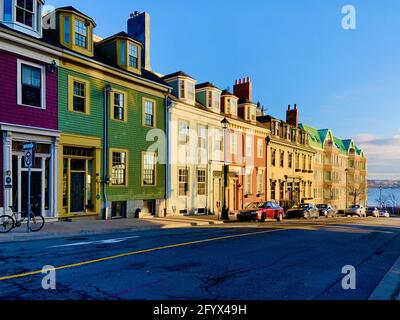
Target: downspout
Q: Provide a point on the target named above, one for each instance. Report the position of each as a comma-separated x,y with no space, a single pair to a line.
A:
168,106
105,180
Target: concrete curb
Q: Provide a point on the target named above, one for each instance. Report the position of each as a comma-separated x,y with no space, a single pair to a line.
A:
389,287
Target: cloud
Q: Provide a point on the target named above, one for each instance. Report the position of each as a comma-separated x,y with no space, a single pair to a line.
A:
383,154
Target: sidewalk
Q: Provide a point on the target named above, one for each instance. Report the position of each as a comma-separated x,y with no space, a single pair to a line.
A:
60,229
389,287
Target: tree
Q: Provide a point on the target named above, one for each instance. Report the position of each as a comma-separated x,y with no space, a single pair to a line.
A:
393,200
382,202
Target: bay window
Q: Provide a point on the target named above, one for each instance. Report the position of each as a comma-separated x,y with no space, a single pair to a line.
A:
80,34
133,56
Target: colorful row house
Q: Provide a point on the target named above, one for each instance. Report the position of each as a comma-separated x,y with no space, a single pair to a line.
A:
217,149
108,103
290,161
340,169
28,108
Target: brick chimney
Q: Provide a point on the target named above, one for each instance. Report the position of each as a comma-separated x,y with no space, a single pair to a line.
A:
243,89
292,116
139,29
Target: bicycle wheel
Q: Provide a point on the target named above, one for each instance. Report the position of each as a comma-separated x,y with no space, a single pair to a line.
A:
36,222
7,223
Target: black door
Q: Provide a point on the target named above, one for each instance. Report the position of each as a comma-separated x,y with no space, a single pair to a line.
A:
36,191
77,191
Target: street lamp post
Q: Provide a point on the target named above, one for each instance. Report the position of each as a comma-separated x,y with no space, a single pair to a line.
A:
225,124
347,191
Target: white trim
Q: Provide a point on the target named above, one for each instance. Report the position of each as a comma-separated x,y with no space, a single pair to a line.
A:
15,128
35,28
30,43
42,79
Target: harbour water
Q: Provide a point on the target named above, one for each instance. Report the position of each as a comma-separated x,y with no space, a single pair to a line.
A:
374,196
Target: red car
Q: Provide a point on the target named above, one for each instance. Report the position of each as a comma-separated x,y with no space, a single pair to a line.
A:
270,210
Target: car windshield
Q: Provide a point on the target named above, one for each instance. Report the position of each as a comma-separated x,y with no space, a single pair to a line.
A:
303,205
355,206
252,205
322,206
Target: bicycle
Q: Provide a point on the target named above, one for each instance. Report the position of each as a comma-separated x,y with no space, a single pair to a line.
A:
9,222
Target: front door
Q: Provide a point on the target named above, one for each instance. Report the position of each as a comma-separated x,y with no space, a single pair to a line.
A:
77,191
36,191
217,196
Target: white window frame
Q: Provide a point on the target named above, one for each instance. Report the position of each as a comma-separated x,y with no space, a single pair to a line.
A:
190,91
228,106
234,143
248,182
216,103
234,107
249,145
19,83
260,181
260,148
34,27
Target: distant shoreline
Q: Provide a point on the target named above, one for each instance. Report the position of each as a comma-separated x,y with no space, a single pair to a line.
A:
385,184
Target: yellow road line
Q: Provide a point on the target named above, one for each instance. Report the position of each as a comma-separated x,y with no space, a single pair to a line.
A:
122,255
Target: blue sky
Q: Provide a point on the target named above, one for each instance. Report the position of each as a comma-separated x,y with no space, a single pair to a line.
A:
295,51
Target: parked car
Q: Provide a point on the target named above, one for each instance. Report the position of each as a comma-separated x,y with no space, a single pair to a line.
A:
249,213
356,210
373,212
270,210
303,210
326,210
383,213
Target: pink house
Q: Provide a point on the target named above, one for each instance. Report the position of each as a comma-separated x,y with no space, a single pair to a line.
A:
28,112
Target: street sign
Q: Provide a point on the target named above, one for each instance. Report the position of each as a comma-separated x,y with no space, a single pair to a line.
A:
29,154
28,146
29,158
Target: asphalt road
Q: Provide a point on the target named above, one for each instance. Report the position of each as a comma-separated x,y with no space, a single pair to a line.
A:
273,261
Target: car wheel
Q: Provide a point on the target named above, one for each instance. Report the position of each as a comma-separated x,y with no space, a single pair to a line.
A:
263,218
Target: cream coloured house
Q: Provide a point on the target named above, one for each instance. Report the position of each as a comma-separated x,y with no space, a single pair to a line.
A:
195,155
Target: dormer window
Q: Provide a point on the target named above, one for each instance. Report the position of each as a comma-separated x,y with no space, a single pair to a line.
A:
128,52
186,90
209,96
182,92
25,12
133,56
234,106
190,90
74,30
209,99
213,100
251,113
80,34
23,15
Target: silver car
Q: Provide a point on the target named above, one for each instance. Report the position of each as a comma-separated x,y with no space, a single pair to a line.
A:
356,210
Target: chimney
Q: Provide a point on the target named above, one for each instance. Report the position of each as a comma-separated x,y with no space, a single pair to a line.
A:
292,116
243,89
139,29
